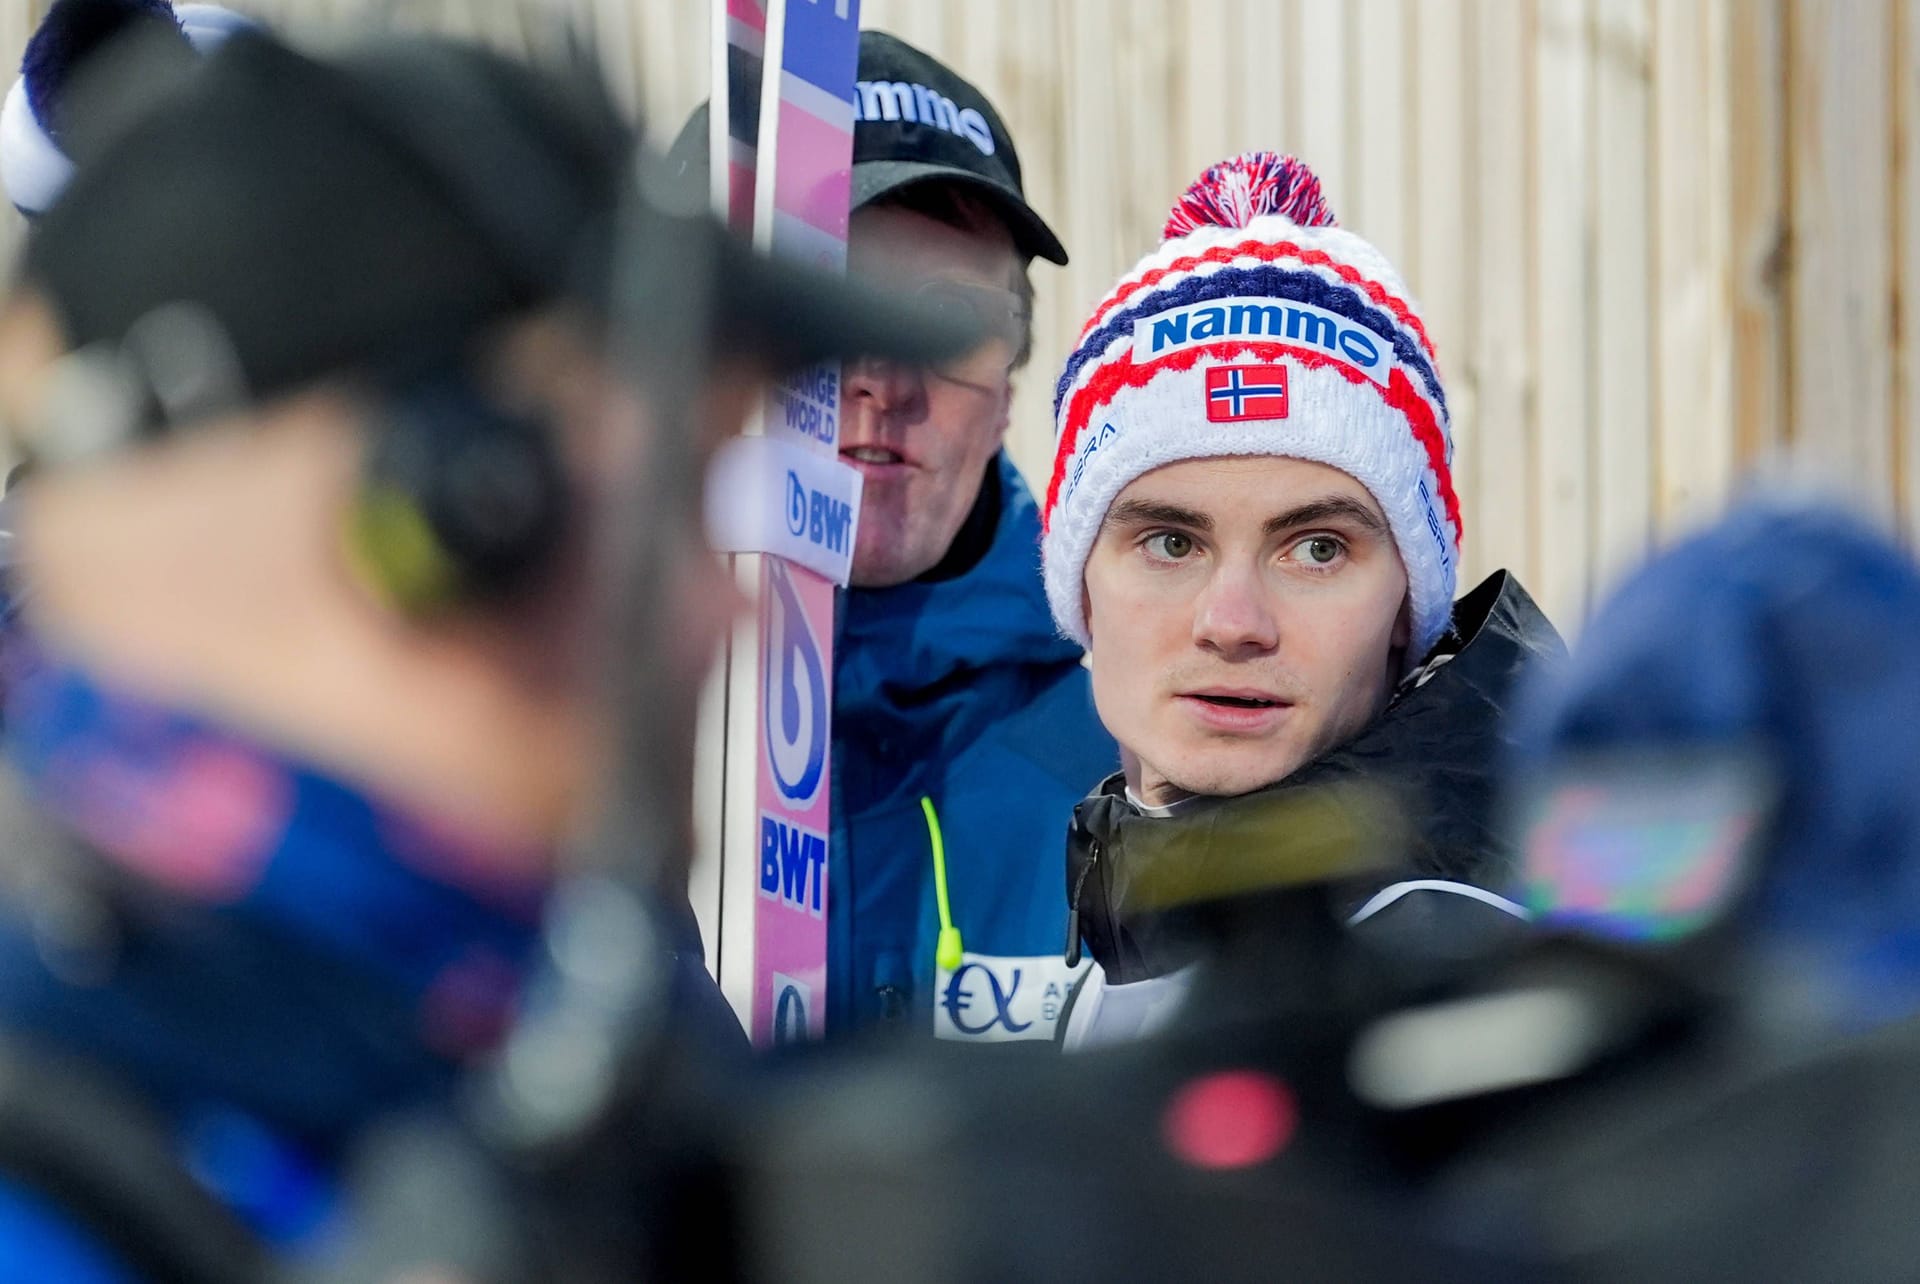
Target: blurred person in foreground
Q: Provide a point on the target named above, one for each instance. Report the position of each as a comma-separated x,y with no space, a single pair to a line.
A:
1252,527
1702,1065
963,724
305,693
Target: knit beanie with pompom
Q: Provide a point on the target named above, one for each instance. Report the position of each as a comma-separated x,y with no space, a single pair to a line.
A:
1257,328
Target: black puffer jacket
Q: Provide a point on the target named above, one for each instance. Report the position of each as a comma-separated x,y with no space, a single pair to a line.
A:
1397,825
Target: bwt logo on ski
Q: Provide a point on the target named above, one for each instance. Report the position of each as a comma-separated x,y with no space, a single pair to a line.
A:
821,518
794,699
1294,323
793,865
916,104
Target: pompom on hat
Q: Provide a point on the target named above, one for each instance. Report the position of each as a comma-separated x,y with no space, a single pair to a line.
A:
1259,327
34,165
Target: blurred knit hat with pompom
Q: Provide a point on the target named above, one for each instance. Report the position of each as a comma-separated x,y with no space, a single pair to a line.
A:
1257,328
34,162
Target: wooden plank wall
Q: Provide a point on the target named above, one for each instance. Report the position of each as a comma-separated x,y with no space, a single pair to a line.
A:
1656,240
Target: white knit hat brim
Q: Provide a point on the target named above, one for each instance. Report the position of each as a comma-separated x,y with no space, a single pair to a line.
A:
33,169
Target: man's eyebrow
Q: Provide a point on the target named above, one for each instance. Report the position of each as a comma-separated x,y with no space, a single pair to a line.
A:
1147,512
1328,509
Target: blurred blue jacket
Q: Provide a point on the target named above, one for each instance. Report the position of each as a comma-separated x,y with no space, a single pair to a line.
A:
957,689
220,969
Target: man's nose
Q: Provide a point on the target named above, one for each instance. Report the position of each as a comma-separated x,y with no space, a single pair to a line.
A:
1235,615
885,387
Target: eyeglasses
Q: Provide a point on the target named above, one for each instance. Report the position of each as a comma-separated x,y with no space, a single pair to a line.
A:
1000,314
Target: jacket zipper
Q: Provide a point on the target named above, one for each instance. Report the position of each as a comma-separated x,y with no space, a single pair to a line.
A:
1073,904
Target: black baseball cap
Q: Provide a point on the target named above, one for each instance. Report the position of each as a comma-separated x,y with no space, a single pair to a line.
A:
916,121
372,207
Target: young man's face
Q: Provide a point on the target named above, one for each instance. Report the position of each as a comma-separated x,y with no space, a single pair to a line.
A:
922,438
1247,615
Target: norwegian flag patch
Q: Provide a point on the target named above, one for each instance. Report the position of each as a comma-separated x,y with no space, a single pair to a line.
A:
1236,393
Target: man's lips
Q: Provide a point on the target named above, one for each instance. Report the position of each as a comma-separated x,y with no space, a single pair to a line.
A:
1235,708
872,458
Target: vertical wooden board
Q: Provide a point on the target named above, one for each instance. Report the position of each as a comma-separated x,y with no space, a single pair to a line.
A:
1203,91
1759,232
1074,66
1031,101
1906,54
655,38
1441,268
914,21
1716,384
1623,287
1260,62
1320,126
612,26
1504,439
1141,113
971,43
1563,244
1842,341
1683,278
1377,201
1091,150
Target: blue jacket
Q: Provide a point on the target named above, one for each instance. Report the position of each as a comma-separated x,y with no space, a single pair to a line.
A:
227,1007
957,690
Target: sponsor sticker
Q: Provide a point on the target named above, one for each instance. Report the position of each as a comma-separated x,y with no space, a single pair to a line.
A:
1264,320
1000,999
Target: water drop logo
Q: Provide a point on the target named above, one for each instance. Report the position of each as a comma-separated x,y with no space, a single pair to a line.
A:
794,701
796,504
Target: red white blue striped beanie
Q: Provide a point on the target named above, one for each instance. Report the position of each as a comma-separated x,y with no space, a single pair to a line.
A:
1257,328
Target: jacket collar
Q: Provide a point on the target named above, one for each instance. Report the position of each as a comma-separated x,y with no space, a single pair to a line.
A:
897,643
1417,783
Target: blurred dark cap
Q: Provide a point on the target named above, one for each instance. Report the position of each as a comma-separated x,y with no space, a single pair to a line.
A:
381,207
916,123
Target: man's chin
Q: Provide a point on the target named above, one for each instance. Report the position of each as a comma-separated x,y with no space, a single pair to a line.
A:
1230,775
888,559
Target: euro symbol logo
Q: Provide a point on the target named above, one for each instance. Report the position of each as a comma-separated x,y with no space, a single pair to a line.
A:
959,999
796,504
795,694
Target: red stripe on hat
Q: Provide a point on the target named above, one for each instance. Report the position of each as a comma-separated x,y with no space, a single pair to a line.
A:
1266,252
1110,380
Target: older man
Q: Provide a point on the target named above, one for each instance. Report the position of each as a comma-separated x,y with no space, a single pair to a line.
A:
1252,524
964,728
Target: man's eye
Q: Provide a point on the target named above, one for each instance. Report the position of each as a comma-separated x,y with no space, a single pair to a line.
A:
1171,545
1318,550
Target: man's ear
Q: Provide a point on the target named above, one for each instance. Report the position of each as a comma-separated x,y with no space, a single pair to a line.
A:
1003,417
1403,626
